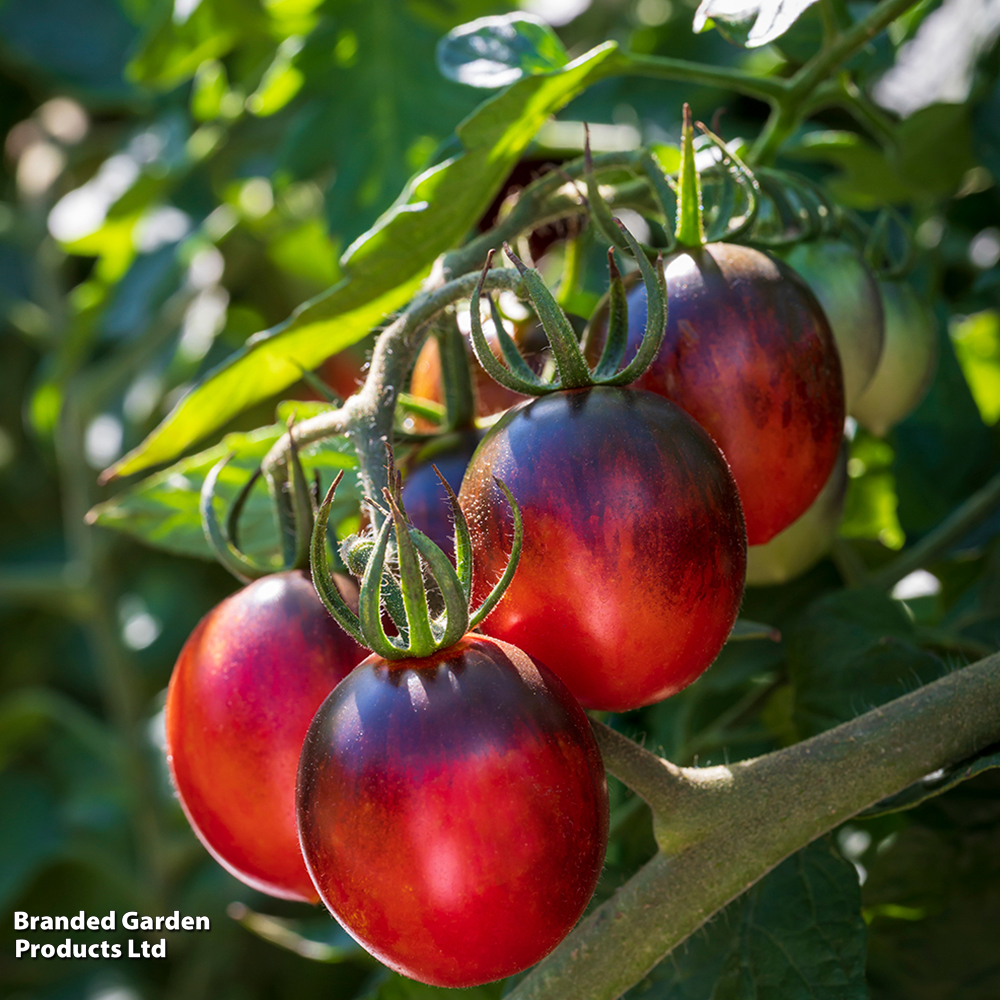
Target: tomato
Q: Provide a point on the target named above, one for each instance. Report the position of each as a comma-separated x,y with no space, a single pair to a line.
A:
246,685
749,354
908,360
424,497
807,539
634,546
848,292
453,811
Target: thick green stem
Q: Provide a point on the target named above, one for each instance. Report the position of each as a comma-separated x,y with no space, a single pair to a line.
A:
755,814
763,88
791,104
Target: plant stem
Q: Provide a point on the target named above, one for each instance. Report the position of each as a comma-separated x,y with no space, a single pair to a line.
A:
790,104
764,88
367,417
754,814
935,543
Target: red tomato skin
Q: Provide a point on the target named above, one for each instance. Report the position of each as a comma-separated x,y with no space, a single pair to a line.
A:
634,552
243,692
749,354
453,811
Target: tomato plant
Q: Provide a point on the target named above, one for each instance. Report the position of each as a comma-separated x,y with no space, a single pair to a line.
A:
634,555
453,811
245,688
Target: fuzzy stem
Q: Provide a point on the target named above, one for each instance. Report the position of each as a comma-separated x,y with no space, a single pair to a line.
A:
755,814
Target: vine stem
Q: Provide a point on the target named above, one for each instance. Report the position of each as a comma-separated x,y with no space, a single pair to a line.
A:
367,416
723,828
790,103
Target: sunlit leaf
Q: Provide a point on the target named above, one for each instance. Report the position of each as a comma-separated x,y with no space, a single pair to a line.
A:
750,23
163,511
384,267
495,51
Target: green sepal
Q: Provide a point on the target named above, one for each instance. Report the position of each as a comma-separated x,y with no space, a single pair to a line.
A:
656,316
453,622
690,224
370,600
508,348
664,193
600,214
321,577
411,582
481,348
301,506
236,510
463,540
456,378
617,336
508,574
242,567
573,370
744,179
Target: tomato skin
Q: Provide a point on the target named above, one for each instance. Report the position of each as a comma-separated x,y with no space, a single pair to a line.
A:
243,692
634,552
749,354
807,539
908,361
848,292
453,811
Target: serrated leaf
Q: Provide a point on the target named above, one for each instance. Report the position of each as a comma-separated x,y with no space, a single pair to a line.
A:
750,23
935,784
163,512
384,267
850,651
495,51
797,934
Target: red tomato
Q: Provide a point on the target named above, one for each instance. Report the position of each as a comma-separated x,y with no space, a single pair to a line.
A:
246,685
634,546
453,811
749,354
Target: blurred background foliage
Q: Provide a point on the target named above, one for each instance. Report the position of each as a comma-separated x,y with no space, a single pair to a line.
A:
177,176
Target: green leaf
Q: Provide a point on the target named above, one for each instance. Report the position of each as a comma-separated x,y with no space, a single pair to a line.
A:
495,51
976,339
935,784
850,651
750,23
162,511
797,934
384,267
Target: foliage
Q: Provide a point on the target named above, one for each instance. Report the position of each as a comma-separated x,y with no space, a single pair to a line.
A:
201,201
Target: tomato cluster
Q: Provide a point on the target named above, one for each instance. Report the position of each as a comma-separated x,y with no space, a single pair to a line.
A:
444,796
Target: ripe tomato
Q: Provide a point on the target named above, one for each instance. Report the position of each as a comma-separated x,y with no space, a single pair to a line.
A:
749,354
848,292
908,360
453,811
634,547
807,539
246,685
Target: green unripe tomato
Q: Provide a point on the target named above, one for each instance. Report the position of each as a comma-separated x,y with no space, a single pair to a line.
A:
908,359
806,540
848,292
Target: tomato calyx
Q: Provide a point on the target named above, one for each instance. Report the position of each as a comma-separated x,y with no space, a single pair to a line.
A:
294,510
404,592
572,369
